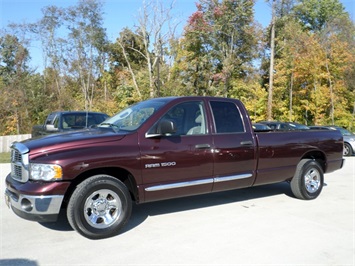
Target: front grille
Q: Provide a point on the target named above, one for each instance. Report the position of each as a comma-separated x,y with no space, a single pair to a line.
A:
19,162
16,156
16,172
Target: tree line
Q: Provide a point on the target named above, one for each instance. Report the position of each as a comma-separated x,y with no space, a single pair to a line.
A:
301,67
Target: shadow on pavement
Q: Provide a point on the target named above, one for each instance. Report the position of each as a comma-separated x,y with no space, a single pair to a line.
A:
18,262
61,224
142,211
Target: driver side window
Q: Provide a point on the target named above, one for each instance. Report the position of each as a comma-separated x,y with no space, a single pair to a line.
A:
188,118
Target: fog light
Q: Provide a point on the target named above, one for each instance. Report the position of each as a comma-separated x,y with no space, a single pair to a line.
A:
26,205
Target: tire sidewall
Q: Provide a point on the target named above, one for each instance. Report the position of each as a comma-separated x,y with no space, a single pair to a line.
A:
347,147
82,193
306,168
298,184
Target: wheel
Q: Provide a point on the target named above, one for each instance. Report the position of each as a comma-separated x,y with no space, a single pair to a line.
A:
308,180
347,151
99,207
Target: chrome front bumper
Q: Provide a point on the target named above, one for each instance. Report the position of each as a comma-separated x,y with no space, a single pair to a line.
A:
35,208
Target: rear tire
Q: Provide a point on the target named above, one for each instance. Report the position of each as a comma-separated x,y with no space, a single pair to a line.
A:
348,151
99,207
308,180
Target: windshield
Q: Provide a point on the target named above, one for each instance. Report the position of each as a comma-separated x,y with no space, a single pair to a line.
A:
134,116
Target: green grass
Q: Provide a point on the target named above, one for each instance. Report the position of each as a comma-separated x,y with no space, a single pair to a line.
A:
5,157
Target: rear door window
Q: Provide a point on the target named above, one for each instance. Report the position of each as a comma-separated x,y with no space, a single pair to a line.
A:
227,117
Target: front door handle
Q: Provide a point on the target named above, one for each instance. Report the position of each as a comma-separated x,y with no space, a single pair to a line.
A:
202,146
246,143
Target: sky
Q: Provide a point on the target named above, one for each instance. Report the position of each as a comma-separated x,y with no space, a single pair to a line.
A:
117,13
121,13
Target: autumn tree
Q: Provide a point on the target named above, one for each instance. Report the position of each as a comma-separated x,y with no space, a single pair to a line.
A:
53,51
193,67
142,53
314,15
217,54
86,46
310,71
320,18
14,73
155,28
280,14
225,32
127,60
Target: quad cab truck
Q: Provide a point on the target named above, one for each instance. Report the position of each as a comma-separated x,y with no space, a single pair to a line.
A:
159,149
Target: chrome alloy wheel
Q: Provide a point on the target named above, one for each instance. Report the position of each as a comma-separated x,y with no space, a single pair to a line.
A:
102,208
312,180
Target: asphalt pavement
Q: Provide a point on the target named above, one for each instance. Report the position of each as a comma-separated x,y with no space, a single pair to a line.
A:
264,225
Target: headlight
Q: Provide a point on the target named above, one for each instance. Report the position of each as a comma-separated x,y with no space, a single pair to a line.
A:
45,172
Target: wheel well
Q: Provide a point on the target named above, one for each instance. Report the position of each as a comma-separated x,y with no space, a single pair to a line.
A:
119,173
345,142
317,156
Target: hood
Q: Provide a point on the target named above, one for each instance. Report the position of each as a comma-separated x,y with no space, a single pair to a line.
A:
72,139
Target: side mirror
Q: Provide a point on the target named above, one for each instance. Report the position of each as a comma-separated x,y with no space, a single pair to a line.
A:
51,128
164,127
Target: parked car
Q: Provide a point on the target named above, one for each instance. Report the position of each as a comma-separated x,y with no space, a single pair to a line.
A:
64,121
348,137
276,125
261,127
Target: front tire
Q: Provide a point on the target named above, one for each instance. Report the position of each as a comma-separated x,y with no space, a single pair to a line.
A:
308,180
99,207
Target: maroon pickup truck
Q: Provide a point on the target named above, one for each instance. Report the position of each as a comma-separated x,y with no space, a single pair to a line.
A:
159,149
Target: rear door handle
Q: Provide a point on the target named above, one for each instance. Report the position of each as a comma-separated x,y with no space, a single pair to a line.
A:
202,146
246,143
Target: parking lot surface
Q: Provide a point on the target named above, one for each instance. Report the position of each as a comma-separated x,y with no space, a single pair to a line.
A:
264,225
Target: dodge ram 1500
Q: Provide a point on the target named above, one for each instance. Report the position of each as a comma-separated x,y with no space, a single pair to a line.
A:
159,149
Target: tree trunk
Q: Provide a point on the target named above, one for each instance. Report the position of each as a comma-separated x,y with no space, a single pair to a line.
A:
130,70
331,93
291,97
271,71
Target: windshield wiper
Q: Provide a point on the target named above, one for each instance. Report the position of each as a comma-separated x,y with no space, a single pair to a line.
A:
109,124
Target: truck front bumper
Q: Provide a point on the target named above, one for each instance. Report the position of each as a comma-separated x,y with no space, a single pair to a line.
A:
34,208
40,207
